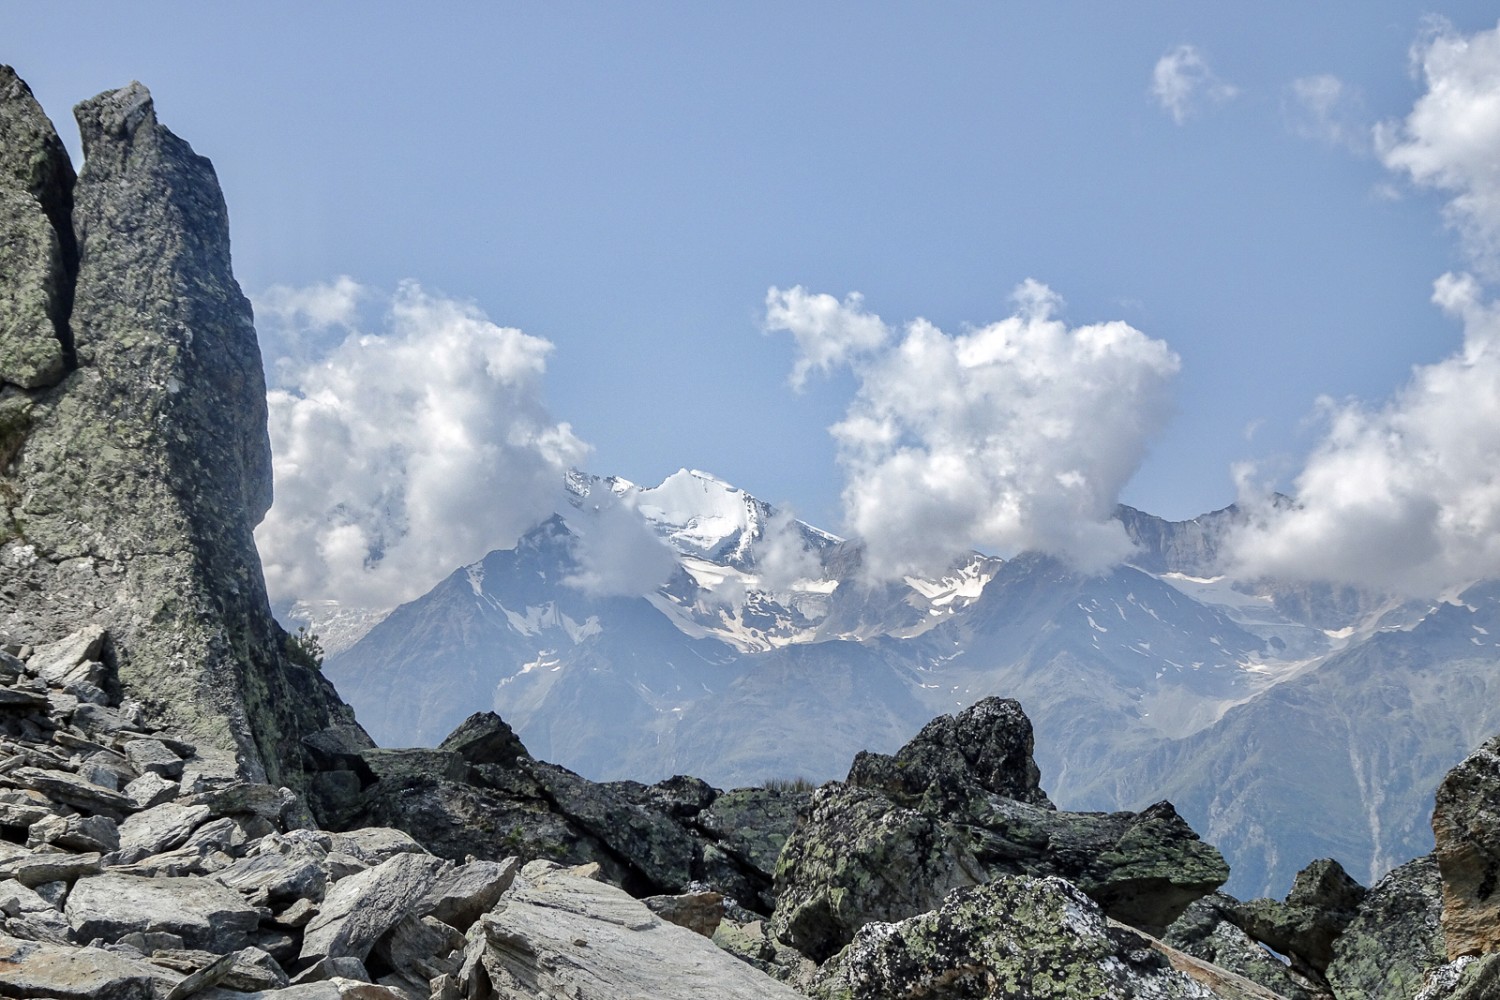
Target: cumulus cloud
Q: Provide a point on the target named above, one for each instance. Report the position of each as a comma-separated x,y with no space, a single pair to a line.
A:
402,453
828,332
1451,139
1184,86
1405,497
617,551
1017,435
782,557
1326,109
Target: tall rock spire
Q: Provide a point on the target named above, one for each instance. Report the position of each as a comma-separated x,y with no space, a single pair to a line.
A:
134,490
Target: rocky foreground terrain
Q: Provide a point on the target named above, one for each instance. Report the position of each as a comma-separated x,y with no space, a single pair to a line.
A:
188,810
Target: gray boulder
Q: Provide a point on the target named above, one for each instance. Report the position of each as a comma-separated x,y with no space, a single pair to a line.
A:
561,933
1014,936
862,856
203,913
63,972
359,909
1322,902
1395,939
1204,931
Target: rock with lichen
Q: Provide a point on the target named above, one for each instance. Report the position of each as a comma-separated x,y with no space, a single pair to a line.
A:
131,486
882,847
1014,936
1395,939
1466,825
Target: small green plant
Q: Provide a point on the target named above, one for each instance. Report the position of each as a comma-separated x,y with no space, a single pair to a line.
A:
305,649
797,784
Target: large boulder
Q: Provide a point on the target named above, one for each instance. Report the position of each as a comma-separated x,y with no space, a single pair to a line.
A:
1205,931
1014,936
1466,825
560,933
885,846
1322,901
129,489
1395,940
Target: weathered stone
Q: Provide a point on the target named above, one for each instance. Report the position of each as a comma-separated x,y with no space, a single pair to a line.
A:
1395,939
203,913
357,910
343,967
23,806
70,789
421,948
1322,901
699,912
1014,936
1205,932
1466,978
484,738
139,479
280,869
1466,825
373,845
153,756
562,934
38,869
469,890
861,857
76,833
335,988
753,823
986,748
71,659
160,828
36,969
38,255
248,969
150,790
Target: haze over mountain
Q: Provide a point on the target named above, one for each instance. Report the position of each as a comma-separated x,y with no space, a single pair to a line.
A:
764,652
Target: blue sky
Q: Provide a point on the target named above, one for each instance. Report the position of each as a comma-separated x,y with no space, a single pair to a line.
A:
628,182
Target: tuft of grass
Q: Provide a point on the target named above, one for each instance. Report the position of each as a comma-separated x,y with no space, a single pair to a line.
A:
797,784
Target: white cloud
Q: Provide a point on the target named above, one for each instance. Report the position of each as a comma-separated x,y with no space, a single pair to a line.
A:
618,553
1183,84
1017,435
1451,139
1326,109
1405,497
402,454
828,333
782,558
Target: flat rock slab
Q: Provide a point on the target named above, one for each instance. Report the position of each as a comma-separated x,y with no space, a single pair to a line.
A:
34,969
38,869
160,828
562,934
357,910
204,913
62,786
328,989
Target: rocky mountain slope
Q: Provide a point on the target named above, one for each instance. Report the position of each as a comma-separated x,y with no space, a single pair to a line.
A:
167,841
1160,675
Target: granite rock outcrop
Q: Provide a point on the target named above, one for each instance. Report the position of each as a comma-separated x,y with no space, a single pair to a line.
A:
134,458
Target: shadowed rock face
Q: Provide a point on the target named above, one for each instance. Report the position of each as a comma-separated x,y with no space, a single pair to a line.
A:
38,254
131,487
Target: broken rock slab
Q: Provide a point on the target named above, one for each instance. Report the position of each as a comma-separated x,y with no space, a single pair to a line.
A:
560,933
202,912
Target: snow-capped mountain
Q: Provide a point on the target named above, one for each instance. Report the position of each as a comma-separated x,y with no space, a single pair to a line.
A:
763,654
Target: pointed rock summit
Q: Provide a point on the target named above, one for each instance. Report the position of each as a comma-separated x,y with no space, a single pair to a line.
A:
133,432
